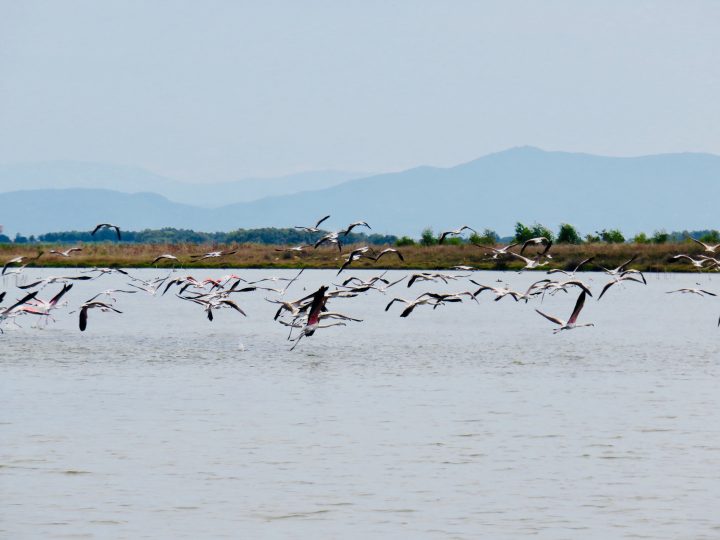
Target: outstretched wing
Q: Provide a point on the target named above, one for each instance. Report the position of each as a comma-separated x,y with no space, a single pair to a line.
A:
551,318
578,308
323,219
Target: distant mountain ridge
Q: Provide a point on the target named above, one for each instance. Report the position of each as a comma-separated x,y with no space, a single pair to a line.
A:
125,179
670,191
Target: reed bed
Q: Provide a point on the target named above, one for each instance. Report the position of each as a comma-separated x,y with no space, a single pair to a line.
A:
651,257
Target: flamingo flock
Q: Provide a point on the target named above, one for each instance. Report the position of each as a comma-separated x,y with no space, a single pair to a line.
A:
309,313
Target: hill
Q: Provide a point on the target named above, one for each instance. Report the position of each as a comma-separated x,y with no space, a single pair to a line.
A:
88,175
671,191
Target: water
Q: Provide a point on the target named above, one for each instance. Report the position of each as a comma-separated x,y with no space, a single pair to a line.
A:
470,421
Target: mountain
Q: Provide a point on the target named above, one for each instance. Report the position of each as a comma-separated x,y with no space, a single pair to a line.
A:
47,210
671,191
88,175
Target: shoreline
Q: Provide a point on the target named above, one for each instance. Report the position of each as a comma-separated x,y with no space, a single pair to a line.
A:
650,257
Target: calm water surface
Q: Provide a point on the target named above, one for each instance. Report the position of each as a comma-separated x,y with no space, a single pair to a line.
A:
470,421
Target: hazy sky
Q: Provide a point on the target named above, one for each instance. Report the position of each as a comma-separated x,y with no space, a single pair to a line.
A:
219,90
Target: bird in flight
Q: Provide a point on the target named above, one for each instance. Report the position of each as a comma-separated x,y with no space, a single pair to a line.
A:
107,226
572,321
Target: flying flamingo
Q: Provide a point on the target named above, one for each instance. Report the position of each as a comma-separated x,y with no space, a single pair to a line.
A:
571,322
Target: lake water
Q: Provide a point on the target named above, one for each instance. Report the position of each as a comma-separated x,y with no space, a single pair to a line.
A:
468,421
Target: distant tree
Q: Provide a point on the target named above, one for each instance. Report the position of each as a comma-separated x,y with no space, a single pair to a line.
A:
4,239
404,241
20,239
453,241
427,238
568,235
711,237
487,238
660,237
592,238
542,230
522,232
640,238
612,236
240,236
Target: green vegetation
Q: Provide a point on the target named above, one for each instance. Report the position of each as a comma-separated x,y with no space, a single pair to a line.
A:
568,235
641,238
611,236
487,238
651,256
524,233
710,237
427,238
660,237
404,241
179,236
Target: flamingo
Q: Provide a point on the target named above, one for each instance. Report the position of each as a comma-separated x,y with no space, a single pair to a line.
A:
697,263
110,292
43,308
620,269
530,264
212,255
164,256
618,280
429,276
329,238
350,227
710,248
455,232
571,322
354,255
102,306
410,305
537,241
687,290
497,252
386,251
107,226
312,229
67,252
297,249
11,310
53,279
572,273
18,260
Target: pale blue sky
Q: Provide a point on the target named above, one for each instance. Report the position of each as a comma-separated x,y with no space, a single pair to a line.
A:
219,90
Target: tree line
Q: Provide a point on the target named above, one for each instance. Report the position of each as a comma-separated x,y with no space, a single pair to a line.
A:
566,234
170,235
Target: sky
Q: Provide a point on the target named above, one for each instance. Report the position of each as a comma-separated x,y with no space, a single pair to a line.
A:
225,89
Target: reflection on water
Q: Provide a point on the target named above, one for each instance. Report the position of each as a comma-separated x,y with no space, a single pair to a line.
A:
464,422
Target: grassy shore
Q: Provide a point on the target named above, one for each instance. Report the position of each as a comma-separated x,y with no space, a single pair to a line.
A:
651,257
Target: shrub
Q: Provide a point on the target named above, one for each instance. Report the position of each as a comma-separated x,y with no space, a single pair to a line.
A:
487,238
612,236
542,230
660,237
405,241
522,232
711,237
641,238
568,235
427,238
